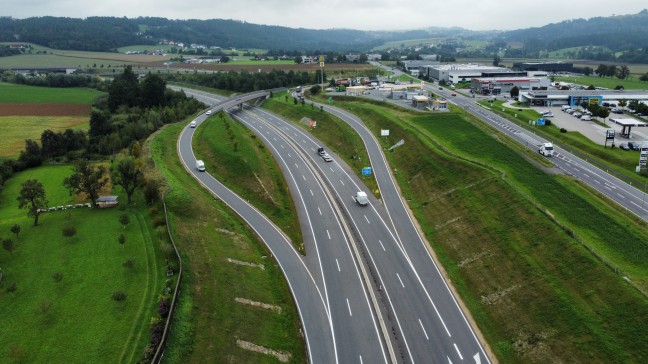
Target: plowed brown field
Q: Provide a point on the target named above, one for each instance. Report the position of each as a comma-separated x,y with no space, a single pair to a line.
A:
43,109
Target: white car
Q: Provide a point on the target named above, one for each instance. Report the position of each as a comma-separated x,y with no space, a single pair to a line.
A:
577,114
192,124
327,157
208,112
586,117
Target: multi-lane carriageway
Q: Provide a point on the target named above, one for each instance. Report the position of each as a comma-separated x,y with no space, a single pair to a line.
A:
373,292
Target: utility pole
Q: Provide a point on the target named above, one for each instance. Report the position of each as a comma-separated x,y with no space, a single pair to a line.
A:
321,62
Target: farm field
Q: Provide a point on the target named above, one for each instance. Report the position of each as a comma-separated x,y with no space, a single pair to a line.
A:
71,316
27,111
606,82
208,320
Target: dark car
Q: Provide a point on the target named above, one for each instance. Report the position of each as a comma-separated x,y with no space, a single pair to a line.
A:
624,146
634,145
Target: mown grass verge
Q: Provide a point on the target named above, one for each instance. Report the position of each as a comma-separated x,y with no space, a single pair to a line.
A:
236,157
537,294
208,321
10,92
62,308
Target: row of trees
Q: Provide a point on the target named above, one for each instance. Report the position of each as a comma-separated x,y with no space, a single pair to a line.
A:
53,80
621,72
247,82
87,179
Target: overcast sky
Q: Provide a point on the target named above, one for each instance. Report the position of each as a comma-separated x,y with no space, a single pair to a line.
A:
351,14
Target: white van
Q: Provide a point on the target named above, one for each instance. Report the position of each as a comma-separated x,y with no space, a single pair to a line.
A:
361,198
200,165
192,124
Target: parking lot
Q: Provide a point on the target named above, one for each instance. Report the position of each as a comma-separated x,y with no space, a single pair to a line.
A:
591,129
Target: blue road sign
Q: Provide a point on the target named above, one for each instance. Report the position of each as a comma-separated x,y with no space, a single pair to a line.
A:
541,121
366,171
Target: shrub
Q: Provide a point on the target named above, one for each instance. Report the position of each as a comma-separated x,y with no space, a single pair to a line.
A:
128,263
119,295
58,276
12,288
563,130
165,307
547,122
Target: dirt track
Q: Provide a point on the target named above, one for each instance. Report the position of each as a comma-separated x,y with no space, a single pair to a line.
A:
43,109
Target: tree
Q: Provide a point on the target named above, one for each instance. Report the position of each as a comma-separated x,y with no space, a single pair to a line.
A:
86,179
32,155
124,90
496,60
515,91
127,174
32,197
16,230
623,102
591,87
644,77
124,219
121,239
601,70
611,71
602,112
298,59
8,245
152,91
587,71
623,72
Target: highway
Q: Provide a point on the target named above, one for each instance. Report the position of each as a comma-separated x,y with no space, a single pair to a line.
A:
429,323
353,334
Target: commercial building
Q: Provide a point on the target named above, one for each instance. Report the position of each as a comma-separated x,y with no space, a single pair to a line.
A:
577,97
459,72
553,67
503,85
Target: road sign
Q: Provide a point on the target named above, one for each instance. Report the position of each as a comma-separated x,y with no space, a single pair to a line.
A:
384,132
643,155
366,171
330,100
541,121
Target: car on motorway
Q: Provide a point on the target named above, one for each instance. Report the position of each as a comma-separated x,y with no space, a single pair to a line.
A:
321,151
327,157
453,94
208,112
624,146
440,88
192,124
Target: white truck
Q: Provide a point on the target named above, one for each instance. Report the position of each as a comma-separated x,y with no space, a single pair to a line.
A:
361,198
200,165
546,149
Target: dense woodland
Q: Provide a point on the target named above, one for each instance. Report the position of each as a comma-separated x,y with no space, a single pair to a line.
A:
623,38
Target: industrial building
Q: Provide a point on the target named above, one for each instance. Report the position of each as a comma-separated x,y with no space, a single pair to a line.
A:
459,72
503,85
577,97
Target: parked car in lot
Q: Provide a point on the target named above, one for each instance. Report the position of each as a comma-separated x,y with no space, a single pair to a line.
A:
616,111
634,145
624,146
576,114
586,118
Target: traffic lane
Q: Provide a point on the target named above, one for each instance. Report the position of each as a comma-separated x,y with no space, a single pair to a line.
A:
308,298
424,327
354,325
430,278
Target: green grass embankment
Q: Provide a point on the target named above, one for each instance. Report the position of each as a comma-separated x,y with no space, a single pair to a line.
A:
236,157
537,294
208,320
75,319
606,82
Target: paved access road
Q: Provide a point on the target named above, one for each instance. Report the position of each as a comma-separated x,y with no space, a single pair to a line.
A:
630,197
